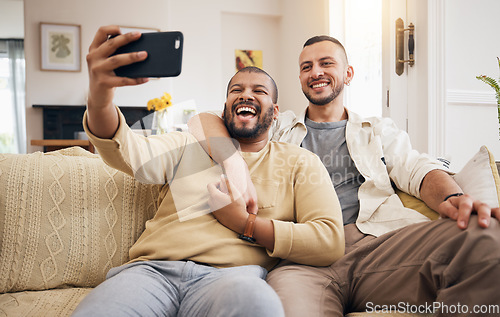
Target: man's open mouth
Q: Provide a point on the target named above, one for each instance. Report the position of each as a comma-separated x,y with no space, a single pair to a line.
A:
319,85
245,111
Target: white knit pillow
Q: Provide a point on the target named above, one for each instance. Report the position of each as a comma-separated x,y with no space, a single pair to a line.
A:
479,178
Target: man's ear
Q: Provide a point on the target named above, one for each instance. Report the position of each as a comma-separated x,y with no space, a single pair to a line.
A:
350,73
276,111
223,112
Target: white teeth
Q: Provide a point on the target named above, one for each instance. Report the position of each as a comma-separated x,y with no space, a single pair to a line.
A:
247,109
320,85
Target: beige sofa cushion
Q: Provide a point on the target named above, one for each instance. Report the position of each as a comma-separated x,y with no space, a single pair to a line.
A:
66,218
51,303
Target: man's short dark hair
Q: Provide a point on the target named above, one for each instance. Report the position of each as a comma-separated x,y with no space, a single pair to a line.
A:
253,69
321,38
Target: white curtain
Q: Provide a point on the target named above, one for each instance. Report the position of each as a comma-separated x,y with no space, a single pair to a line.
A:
14,140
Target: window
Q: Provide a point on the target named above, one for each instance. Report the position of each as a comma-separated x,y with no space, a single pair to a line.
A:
358,25
12,97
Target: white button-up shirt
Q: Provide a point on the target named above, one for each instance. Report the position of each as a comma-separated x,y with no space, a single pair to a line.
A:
383,154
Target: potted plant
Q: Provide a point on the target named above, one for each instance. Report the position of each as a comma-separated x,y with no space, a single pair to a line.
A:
496,86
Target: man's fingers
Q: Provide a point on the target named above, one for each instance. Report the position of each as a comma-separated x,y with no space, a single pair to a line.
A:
104,77
495,212
224,184
101,61
460,209
102,35
112,62
114,43
216,199
447,210
116,61
465,207
222,194
101,70
252,207
109,38
483,213
212,189
231,189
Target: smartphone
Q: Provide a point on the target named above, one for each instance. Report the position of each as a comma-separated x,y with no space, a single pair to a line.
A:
164,55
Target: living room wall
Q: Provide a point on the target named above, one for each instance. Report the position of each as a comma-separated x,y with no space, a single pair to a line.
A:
471,46
70,88
212,30
11,19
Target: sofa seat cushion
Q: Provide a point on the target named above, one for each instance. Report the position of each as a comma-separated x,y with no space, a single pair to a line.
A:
50,303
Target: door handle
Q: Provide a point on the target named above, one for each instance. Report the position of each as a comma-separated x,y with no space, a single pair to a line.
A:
400,61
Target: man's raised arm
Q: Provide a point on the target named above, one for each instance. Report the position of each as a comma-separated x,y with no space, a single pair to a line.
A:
102,118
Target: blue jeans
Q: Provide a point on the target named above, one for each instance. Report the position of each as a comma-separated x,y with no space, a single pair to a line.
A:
180,288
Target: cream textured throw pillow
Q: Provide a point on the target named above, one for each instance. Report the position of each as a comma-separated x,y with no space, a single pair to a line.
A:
66,218
479,178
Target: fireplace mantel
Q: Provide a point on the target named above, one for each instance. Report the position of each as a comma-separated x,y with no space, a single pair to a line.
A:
62,121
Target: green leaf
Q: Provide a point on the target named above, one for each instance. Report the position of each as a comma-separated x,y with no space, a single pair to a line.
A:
490,81
496,86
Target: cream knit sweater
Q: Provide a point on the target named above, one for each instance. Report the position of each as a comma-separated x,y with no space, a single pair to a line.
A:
293,189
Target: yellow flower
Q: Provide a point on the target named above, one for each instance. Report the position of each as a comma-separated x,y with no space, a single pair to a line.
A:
160,103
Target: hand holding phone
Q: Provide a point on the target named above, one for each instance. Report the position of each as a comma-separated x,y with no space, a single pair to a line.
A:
164,55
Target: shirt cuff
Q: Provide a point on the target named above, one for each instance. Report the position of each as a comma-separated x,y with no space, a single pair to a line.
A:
283,237
106,144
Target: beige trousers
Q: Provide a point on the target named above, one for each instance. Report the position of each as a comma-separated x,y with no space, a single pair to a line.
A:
427,267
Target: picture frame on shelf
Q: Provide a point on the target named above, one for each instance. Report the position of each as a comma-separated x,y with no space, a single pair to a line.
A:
60,47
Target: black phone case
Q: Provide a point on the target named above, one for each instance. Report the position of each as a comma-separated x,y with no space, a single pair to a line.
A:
164,55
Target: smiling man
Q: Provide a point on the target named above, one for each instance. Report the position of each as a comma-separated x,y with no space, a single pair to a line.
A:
324,90
203,253
394,255
253,121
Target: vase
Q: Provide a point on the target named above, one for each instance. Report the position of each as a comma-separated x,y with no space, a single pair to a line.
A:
161,121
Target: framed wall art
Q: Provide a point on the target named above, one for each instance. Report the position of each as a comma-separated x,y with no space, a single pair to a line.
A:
244,58
60,48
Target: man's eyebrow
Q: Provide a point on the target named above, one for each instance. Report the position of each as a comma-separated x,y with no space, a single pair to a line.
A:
321,60
305,62
254,86
260,85
327,58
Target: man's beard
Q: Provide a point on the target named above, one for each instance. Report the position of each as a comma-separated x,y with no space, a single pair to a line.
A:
262,125
324,100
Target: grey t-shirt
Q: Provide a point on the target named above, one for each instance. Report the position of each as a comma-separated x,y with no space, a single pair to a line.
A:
327,140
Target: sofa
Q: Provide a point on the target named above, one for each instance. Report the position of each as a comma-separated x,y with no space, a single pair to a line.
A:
66,218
